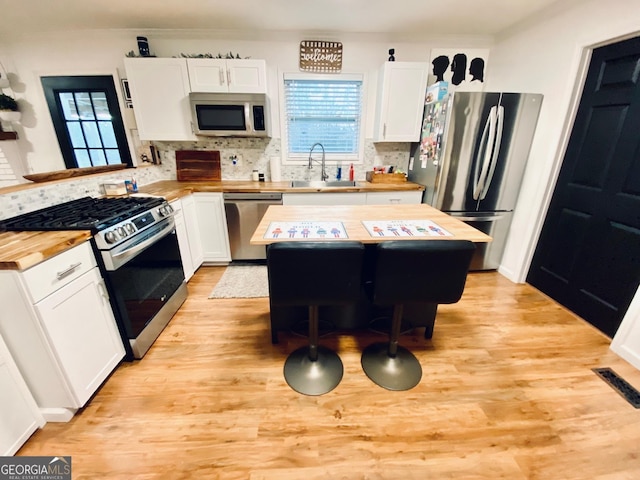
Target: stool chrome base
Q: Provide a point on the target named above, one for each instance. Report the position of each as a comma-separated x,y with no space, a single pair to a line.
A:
401,372
313,377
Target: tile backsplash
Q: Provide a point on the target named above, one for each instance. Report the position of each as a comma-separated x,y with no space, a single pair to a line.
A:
255,153
40,196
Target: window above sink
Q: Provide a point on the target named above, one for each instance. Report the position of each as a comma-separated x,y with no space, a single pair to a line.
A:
318,109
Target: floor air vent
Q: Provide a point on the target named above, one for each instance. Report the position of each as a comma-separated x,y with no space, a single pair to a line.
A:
620,385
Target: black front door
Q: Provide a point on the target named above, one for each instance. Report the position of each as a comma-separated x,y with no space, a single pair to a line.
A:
588,255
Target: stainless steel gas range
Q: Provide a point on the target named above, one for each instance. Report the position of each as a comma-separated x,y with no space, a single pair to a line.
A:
136,246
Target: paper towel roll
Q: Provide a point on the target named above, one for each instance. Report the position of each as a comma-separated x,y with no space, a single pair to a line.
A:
274,167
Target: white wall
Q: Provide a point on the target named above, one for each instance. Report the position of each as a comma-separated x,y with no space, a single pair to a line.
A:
102,52
549,56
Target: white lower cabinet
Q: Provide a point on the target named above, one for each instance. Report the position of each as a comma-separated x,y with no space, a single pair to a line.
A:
394,198
60,330
19,414
212,227
353,198
183,240
337,198
193,230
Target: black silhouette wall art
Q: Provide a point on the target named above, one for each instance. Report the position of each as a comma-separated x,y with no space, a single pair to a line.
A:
461,69
476,69
440,65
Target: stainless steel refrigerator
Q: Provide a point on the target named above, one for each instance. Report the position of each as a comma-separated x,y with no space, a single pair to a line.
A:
471,158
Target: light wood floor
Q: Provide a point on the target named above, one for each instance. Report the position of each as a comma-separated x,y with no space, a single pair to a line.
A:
507,392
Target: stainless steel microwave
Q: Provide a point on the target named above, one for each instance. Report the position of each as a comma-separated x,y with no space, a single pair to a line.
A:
229,114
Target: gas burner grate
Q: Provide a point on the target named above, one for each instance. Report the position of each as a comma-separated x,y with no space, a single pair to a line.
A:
620,385
85,213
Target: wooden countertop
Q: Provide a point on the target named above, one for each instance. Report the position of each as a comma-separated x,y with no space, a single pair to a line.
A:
21,250
172,189
352,217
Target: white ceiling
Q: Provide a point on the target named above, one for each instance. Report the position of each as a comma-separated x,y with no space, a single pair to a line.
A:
395,18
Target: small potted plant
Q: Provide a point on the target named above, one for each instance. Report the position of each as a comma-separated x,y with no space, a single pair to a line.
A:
8,109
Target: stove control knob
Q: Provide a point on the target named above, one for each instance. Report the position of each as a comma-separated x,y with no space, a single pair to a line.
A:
164,211
130,228
169,208
111,237
122,232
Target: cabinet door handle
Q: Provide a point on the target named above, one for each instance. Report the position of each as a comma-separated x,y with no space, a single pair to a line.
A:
67,271
228,77
384,131
221,77
394,200
103,291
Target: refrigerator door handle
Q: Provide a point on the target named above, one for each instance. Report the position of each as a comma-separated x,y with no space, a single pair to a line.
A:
490,218
485,152
496,152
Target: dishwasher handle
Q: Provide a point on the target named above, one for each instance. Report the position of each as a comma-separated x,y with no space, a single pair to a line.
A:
271,196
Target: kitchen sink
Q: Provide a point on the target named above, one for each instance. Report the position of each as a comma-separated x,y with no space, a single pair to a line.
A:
321,184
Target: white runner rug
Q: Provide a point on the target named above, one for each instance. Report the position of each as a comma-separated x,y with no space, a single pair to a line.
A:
242,281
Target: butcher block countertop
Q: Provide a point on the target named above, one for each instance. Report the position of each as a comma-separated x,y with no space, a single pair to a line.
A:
172,189
353,218
21,250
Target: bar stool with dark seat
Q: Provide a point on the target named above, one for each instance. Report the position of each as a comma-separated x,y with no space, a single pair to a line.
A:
314,274
433,271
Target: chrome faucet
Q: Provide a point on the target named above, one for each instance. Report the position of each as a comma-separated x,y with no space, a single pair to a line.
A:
323,174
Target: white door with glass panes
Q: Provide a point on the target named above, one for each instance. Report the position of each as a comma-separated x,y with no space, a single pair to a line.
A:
87,120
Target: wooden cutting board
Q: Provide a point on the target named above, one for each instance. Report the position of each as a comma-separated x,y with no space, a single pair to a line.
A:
194,165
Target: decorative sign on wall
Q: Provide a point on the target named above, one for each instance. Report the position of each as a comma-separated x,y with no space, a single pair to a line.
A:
320,57
462,68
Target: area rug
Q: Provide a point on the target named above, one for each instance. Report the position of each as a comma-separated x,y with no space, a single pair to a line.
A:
242,281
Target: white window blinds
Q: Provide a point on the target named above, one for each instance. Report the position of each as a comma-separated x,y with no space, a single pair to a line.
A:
325,111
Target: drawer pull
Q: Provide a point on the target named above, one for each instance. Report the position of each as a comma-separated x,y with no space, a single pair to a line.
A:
68,271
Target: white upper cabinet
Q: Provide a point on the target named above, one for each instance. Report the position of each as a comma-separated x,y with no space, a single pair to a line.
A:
401,93
233,75
160,90
160,95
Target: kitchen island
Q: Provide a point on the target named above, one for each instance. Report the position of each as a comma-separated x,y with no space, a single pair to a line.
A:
356,218
358,222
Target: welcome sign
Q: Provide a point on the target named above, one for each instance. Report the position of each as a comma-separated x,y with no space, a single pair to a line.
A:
320,57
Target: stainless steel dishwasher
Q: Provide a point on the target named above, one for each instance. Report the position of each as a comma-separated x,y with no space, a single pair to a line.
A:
244,212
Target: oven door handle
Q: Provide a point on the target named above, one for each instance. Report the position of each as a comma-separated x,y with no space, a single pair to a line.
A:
127,253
